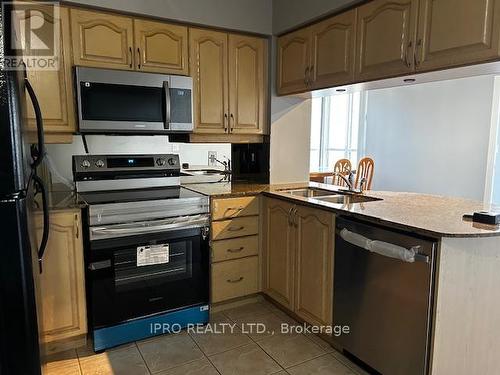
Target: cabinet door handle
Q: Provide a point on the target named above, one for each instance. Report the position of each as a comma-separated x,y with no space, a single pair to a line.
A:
139,58
235,250
232,229
232,281
231,121
407,52
311,73
130,56
295,222
290,216
77,227
225,122
415,54
306,72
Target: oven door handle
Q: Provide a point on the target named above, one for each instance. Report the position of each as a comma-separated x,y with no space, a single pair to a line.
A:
180,223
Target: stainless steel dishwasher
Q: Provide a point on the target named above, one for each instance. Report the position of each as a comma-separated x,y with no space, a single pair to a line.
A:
383,292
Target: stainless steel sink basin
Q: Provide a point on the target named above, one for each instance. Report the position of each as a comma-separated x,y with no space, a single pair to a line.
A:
336,197
308,192
347,199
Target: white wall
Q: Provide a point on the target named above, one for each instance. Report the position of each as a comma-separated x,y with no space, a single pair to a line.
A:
431,138
194,154
290,140
246,15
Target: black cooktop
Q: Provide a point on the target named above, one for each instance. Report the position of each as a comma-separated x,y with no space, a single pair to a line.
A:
120,196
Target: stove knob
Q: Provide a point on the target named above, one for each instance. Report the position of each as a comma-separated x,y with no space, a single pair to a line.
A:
85,164
99,163
171,161
160,162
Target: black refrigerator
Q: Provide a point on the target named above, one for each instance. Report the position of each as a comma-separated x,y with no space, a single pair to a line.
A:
20,252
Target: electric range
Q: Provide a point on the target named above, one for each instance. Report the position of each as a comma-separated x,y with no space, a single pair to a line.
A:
146,247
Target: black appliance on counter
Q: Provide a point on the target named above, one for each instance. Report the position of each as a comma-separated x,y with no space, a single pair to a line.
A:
21,257
146,247
250,162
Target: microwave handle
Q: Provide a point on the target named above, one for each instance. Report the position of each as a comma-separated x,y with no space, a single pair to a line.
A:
166,89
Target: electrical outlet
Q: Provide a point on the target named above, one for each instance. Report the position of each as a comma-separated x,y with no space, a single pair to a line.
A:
212,155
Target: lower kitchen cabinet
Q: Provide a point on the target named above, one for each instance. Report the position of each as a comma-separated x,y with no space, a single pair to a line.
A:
279,253
235,253
298,259
235,278
315,233
61,286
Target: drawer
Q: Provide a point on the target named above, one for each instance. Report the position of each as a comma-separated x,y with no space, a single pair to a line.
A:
234,207
235,248
234,278
241,226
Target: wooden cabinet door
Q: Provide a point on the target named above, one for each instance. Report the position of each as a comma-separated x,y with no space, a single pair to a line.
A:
386,31
161,47
314,270
279,252
208,56
247,84
294,58
102,40
333,46
62,283
53,88
456,32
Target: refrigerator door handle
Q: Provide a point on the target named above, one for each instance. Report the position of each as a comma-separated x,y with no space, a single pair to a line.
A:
46,223
38,153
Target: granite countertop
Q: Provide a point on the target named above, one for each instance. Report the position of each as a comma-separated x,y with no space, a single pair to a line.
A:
429,215
227,189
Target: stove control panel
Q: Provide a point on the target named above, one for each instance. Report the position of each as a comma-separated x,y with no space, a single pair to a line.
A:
95,166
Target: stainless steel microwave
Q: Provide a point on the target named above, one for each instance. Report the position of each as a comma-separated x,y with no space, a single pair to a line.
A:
124,102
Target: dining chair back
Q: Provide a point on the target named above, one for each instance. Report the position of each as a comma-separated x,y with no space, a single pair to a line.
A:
365,170
344,167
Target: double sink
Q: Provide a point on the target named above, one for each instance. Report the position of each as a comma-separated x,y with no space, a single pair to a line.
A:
336,197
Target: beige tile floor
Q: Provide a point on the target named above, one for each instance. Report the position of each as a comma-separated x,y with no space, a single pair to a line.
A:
237,352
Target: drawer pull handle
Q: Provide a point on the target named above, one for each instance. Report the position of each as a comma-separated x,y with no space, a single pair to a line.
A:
231,229
235,280
236,209
235,250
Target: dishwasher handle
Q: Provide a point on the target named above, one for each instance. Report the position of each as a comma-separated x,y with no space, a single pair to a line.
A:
386,249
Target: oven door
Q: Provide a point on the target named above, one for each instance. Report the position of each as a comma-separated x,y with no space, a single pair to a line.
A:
140,275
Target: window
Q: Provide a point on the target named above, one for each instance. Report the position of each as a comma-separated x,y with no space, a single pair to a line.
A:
335,130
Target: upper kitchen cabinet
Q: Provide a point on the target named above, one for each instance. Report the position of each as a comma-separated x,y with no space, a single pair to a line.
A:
386,31
333,46
102,40
247,84
294,57
53,88
208,55
229,82
457,32
161,47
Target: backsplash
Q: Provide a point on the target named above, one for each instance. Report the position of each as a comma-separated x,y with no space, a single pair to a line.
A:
60,155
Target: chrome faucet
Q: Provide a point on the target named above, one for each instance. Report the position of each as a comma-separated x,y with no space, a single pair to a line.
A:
350,182
226,164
